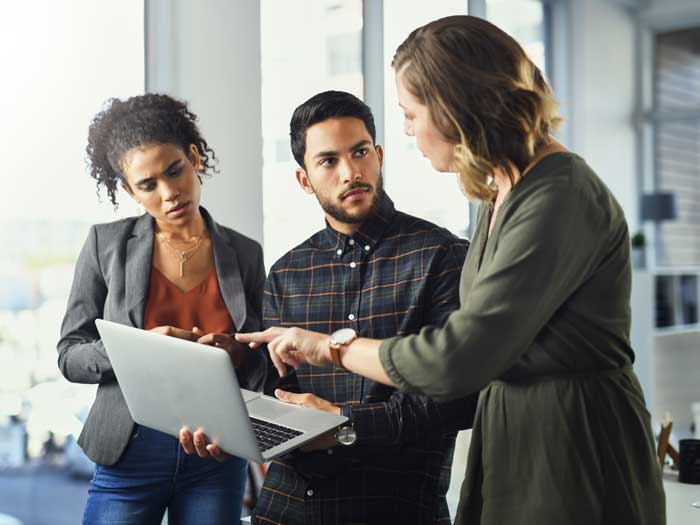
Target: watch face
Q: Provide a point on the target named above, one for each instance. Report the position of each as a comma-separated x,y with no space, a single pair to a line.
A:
346,436
343,336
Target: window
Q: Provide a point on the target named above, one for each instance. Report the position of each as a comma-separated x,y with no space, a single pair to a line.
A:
410,179
307,46
676,121
66,59
524,20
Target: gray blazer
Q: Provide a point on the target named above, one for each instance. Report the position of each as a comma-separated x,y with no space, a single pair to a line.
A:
111,282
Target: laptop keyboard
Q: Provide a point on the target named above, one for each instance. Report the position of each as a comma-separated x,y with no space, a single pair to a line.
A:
270,435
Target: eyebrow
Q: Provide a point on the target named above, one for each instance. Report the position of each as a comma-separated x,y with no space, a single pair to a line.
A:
332,153
166,170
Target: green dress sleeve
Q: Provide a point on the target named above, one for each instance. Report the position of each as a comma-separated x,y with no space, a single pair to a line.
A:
546,242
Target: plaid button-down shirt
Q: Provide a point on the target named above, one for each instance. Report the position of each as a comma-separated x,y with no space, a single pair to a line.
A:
396,274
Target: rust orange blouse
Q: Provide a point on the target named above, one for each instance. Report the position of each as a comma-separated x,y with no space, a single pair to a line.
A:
202,306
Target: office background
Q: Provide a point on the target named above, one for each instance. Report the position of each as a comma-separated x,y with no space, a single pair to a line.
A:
626,72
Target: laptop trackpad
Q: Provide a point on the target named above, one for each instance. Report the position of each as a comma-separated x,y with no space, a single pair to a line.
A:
269,409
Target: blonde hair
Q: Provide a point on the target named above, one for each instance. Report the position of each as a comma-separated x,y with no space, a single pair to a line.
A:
484,95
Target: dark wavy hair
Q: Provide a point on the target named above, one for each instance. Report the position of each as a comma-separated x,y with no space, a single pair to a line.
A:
484,95
135,122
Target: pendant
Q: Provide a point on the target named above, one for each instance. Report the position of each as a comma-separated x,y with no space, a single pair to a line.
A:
182,266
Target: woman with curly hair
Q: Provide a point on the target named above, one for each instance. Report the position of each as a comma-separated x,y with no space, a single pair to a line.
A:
173,270
561,433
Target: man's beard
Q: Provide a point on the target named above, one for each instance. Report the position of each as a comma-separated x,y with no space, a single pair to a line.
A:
340,215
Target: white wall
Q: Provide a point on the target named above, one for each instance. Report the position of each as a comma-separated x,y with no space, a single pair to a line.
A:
602,88
208,53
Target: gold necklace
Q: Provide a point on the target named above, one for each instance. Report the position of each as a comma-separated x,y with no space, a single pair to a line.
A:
183,257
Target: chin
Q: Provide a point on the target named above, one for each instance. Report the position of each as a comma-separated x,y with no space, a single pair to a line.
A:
359,214
440,167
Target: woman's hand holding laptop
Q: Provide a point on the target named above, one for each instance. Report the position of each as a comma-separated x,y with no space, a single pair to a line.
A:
236,350
226,342
198,442
176,332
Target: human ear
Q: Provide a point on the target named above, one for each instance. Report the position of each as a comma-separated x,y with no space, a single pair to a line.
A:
303,180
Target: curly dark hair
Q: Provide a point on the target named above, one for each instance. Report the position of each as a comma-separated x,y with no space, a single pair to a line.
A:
135,122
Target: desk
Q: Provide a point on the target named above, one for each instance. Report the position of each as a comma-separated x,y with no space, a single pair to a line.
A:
679,496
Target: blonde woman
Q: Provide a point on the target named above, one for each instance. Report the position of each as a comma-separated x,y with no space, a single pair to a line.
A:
561,433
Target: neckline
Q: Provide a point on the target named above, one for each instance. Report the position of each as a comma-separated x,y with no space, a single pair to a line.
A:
508,198
528,176
180,290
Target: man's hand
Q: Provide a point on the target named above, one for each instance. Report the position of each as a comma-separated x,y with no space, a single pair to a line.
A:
198,444
291,346
324,441
307,400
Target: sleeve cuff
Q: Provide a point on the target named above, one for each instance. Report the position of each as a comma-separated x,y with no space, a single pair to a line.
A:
386,351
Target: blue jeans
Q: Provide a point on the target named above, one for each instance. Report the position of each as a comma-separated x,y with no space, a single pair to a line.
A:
155,474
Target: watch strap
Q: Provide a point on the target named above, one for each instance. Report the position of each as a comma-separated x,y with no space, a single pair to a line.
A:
335,354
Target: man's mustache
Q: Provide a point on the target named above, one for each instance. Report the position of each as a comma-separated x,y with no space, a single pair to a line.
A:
354,186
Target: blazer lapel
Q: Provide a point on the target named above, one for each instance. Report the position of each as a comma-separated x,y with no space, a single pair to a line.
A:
228,272
139,255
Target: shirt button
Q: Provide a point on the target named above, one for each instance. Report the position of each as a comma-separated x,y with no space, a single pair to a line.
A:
310,492
367,247
339,252
330,451
351,242
351,317
353,264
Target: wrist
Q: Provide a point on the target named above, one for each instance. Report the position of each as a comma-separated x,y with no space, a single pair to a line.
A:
238,354
342,352
323,350
346,435
338,343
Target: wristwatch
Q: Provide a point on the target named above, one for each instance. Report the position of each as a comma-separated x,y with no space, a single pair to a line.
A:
346,435
339,338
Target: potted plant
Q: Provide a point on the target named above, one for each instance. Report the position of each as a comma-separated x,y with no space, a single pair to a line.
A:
638,252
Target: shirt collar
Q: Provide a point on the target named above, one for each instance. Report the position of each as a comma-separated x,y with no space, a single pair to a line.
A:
370,232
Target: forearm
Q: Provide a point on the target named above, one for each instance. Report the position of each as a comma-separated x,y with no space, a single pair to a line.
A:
82,357
409,419
84,362
361,357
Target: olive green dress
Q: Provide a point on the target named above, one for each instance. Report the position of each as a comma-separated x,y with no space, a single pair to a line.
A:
561,434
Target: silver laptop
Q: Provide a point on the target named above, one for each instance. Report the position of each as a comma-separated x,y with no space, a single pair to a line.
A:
169,383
